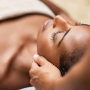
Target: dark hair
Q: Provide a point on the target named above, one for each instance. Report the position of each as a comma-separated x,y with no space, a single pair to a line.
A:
81,24
68,59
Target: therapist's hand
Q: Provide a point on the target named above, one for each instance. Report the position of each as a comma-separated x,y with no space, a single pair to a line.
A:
43,74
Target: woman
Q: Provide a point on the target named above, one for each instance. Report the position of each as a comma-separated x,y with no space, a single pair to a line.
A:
19,24
62,44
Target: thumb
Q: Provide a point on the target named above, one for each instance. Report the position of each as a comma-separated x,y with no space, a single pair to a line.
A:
39,60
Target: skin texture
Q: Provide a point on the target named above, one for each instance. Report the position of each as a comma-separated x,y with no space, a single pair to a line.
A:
41,77
77,78
18,44
18,39
77,36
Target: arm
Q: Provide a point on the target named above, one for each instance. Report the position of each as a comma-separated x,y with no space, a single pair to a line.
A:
58,11
78,78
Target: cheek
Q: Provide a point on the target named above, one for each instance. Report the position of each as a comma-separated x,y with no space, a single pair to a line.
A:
46,49
39,32
43,45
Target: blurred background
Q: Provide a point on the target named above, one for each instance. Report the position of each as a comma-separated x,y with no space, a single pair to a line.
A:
79,10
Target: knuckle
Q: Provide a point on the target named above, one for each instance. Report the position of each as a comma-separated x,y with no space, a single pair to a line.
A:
31,82
31,71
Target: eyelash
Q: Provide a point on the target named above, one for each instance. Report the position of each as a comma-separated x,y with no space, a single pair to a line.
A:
54,34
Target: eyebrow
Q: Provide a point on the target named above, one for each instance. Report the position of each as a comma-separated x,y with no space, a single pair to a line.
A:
63,37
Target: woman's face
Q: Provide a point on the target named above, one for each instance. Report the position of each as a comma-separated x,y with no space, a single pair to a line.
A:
58,36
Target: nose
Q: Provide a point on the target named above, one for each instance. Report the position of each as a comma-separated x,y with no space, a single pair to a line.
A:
61,23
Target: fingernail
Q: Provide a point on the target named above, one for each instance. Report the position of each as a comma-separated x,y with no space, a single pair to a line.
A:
35,56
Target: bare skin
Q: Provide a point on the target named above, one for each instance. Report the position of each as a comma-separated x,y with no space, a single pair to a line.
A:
44,78
52,45
18,44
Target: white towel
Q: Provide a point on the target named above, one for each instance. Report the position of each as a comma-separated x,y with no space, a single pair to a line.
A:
28,88
13,8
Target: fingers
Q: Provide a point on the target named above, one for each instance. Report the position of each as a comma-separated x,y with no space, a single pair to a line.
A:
34,83
34,65
33,68
31,82
37,84
40,60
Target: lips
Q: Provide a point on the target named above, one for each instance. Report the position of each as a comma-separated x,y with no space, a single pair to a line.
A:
45,24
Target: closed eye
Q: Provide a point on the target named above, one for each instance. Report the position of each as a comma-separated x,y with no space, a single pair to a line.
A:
63,37
54,35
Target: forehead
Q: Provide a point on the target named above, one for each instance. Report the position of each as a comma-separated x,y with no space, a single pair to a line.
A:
80,31
78,35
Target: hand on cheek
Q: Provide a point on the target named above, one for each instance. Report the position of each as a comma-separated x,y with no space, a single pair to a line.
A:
43,73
